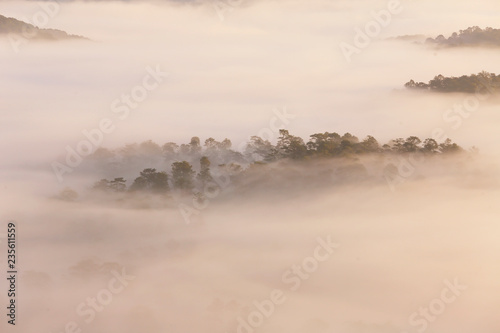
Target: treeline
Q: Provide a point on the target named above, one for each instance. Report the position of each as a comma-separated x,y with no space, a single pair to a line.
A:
483,82
472,36
193,166
10,25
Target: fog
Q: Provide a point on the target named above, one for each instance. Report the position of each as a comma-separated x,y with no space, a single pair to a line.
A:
229,73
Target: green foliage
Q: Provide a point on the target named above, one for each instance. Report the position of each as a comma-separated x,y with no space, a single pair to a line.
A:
118,185
151,180
290,146
430,146
204,175
483,82
182,175
10,25
115,185
259,149
259,152
472,36
449,147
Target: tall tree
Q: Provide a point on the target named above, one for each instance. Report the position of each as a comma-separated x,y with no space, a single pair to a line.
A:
448,147
182,175
118,184
430,146
411,144
370,145
258,149
194,145
151,180
204,175
324,144
291,146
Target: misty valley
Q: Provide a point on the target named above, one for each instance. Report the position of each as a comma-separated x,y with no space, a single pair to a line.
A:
206,171
249,166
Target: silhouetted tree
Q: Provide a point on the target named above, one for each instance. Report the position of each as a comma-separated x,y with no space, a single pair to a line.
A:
204,175
448,147
411,144
101,185
430,146
182,175
195,146
151,180
370,145
118,185
291,146
259,149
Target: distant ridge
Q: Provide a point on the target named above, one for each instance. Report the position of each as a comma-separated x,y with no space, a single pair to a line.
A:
470,37
10,25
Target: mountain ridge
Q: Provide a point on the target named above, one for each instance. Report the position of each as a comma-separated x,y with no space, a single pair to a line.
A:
9,25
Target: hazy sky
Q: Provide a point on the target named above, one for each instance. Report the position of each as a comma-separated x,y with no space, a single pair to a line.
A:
231,74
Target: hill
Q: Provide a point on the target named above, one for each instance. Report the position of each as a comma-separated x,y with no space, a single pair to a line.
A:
472,36
10,25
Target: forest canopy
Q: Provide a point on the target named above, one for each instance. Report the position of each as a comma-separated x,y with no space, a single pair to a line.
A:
472,36
483,82
10,25
191,167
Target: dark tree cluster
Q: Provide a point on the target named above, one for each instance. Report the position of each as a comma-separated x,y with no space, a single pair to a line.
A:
333,145
152,181
186,176
10,25
472,36
484,83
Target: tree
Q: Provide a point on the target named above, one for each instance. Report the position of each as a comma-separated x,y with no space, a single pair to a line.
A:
103,154
324,144
291,146
210,143
182,174
170,148
152,181
260,147
346,148
370,145
448,147
430,146
349,137
411,144
397,145
483,82
204,175
225,144
194,145
150,148
410,84
118,185
101,185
